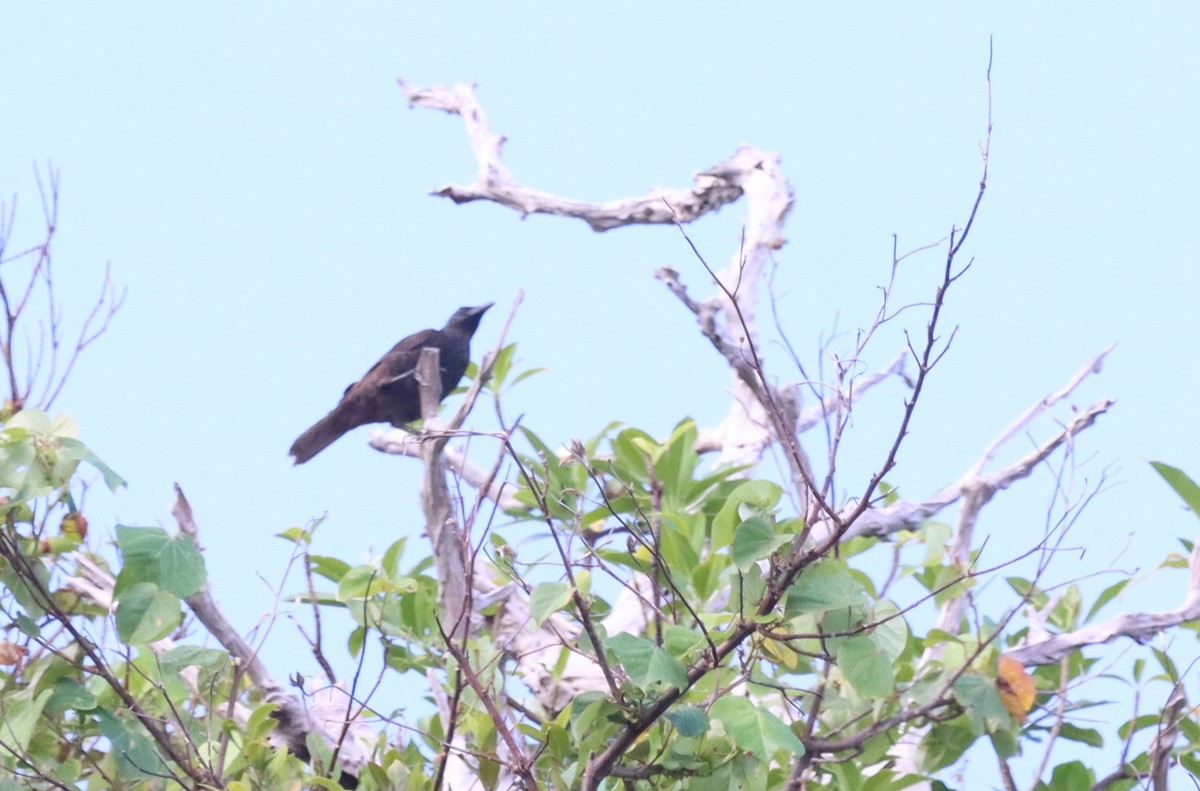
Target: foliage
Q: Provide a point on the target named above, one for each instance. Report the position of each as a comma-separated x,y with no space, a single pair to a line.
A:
721,691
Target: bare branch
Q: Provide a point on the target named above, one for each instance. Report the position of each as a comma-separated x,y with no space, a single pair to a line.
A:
908,514
401,443
1164,741
1137,626
295,721
713,188
43,339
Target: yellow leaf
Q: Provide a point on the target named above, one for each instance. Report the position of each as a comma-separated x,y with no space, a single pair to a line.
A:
1017,689
780,653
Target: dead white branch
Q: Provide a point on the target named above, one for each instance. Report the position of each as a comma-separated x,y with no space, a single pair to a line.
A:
401,443
729,317
493,182
539,650
1137,626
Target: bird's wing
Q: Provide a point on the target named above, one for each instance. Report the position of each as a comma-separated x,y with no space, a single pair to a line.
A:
399,363
397,377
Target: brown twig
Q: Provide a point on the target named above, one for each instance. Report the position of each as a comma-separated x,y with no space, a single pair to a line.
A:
523,765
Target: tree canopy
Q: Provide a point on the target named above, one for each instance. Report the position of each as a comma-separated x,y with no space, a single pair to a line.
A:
718,608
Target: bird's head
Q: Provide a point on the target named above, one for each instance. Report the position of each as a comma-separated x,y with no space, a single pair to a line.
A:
468,318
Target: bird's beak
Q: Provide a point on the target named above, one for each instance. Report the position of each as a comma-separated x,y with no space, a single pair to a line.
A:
479,311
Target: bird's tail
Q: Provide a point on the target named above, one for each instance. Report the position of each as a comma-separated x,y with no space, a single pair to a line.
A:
321,435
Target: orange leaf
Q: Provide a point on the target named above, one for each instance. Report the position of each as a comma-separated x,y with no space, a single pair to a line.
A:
1017,689
11,653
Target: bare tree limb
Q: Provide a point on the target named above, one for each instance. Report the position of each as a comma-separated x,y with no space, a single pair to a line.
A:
327,715
494,183
1137,626
1164,740
400,443
908,514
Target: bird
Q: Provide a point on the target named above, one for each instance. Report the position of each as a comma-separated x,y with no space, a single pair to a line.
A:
388,392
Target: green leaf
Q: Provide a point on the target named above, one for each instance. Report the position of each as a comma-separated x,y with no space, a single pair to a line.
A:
209,662
1137,724
688,720
890,636
39,455
847,777
1190,761
391,558
17,456
145,614
1088,736
31,598
592,717
753,728
332,569
629,455
680,641
1072,776
28,626
675,542
867,668
944,744
1106,595
741,773
583,581
260,723
979,696
501,365
69,694
528,372
548,598
1184,486
748,592
645,663
886,779
707,577
132,747
825,585
68,772
171,563
1065,614
295,534
1167,664
78,451
752,498
1023,587
720,477
674,467
359,583
1004,740
21,713
753,540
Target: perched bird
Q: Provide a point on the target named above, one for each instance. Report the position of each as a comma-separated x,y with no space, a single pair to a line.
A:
388,392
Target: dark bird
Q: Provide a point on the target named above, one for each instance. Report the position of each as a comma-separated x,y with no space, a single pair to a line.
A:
388,392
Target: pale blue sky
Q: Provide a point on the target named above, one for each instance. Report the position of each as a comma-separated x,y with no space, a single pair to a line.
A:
257,181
